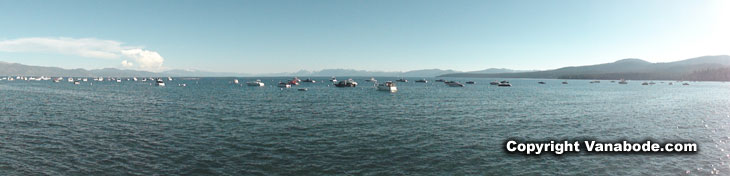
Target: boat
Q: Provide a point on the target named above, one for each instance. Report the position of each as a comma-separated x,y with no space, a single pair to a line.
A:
169,78
470,82
182,85
401,80
85,79
422,81
652,82
101,79
440,80
670,83
387,86
371,80
283,85
144,79
685,84
235,81
453,84
541,82
119,80
302,89
257,83
595,82
347,83
77,82
622,82
294,81
565,82
135,78
309,80
333,79
160,83
504,84
613,81
494,83
644,83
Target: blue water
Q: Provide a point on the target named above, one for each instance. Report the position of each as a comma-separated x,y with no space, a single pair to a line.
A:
215,127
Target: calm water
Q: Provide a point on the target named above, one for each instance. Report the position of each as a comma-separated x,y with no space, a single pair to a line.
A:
214,127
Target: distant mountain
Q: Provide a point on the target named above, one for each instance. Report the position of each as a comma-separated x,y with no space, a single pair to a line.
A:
497,70
626,69
7,69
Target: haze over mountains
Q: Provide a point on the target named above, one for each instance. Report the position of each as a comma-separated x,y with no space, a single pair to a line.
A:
8,69
706,68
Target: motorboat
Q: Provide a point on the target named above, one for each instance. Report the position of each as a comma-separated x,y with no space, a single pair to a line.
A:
401,80
283,85
235,81
371,80
85,79
302,89
77,82
541,82
470,82
294,81
565,82
135,78
494,83
670,83
644,83
504,83
422,81
119,80
169,78
333,79
257,83
652,82
58,79
346,83
613,81
596,81
182,85
453,84
101,79
440,80
685,84
160,83
622,82
309,80
387,86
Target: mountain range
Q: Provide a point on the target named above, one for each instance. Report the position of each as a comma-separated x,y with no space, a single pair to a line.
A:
706,68
8,69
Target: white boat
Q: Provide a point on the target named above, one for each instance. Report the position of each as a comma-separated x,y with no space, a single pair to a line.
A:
70,79
85,79
160,83
387,86
371,80
283,85
169,78
182,85
235,81
453,84
255,83
101,79
135,78
334,80
622,82
504,83
77,82
119,80
347,83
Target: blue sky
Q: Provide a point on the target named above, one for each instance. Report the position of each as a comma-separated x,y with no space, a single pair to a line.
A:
286,36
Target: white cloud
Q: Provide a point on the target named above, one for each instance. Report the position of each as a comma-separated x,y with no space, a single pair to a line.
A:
89,48
125,63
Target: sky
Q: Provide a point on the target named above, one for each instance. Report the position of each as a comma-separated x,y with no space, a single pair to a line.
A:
270,36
